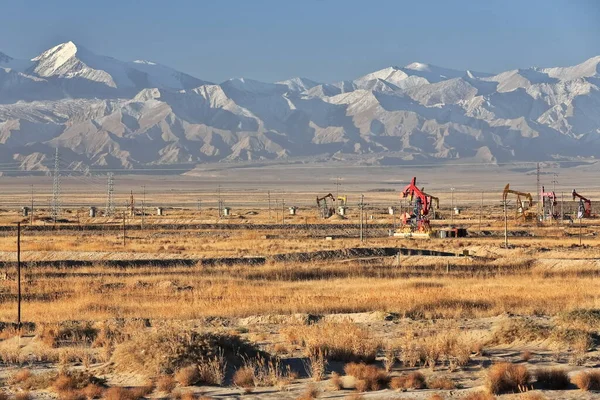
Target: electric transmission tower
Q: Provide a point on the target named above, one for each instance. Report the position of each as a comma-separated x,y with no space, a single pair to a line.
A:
110,203
56,188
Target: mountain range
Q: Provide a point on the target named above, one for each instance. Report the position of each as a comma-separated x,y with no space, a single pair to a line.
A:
103,113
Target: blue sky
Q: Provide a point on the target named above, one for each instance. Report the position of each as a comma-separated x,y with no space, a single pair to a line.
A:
325,40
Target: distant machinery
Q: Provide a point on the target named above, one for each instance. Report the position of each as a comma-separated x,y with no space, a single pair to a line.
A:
549,205
584,209
342,205
416,222
524,201
326,210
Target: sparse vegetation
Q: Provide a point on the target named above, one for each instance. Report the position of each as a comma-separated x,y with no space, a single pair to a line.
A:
587,380
506,377
367,377
552,378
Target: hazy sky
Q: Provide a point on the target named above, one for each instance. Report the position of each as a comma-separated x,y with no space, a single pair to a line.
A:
325,40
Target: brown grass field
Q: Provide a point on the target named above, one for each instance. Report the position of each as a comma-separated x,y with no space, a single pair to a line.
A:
180,311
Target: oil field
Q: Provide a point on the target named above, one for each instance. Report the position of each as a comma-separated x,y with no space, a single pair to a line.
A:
405,283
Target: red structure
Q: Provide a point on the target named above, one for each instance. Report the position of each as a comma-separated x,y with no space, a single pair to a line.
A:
585,205
422,203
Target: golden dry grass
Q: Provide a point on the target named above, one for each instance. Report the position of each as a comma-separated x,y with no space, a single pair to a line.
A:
506,377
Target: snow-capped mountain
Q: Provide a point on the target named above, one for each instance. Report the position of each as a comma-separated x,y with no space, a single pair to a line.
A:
106,113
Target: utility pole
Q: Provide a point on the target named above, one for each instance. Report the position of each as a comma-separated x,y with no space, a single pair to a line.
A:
282,211
31,218
452,206
110,189
337,187
18,275
56,188
143,203
124,228
579,232
361,207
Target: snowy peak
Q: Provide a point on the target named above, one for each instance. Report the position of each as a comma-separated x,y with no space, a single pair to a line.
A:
71,62
299,84
586,69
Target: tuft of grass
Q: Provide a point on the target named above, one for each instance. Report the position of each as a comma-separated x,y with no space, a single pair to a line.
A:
93,391
244,378
506,377
441,383
552,378
187,376
533,396
165,383
311,392
340,341
587,380
413,380
367,377
336,381
121,393
20,376
523,329
526,355
436,396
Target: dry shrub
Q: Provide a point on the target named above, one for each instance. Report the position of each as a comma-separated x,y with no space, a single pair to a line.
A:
523,329
71,394
168,349
507,377
68,332
187,376
211,371
436,396
121,393
368,377
311,392
23,396
93,391
578,340
74,380
20,376
413,380
315,367
451,346
587,380
341,341
526,355
587,319
244,378
441,383
280,348
479,396
553,378
165,383
336,381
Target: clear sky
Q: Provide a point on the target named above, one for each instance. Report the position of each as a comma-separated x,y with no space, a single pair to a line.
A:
325,40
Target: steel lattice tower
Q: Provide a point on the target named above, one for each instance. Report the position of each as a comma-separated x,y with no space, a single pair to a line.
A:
110,204
56,188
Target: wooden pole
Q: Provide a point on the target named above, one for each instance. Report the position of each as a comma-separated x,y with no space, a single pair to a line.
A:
505,226
481,212
19,275
123,228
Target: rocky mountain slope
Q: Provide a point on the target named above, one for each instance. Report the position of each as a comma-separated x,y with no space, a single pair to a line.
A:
105,113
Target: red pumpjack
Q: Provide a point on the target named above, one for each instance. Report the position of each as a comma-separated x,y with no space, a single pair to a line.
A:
585,205
418,219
